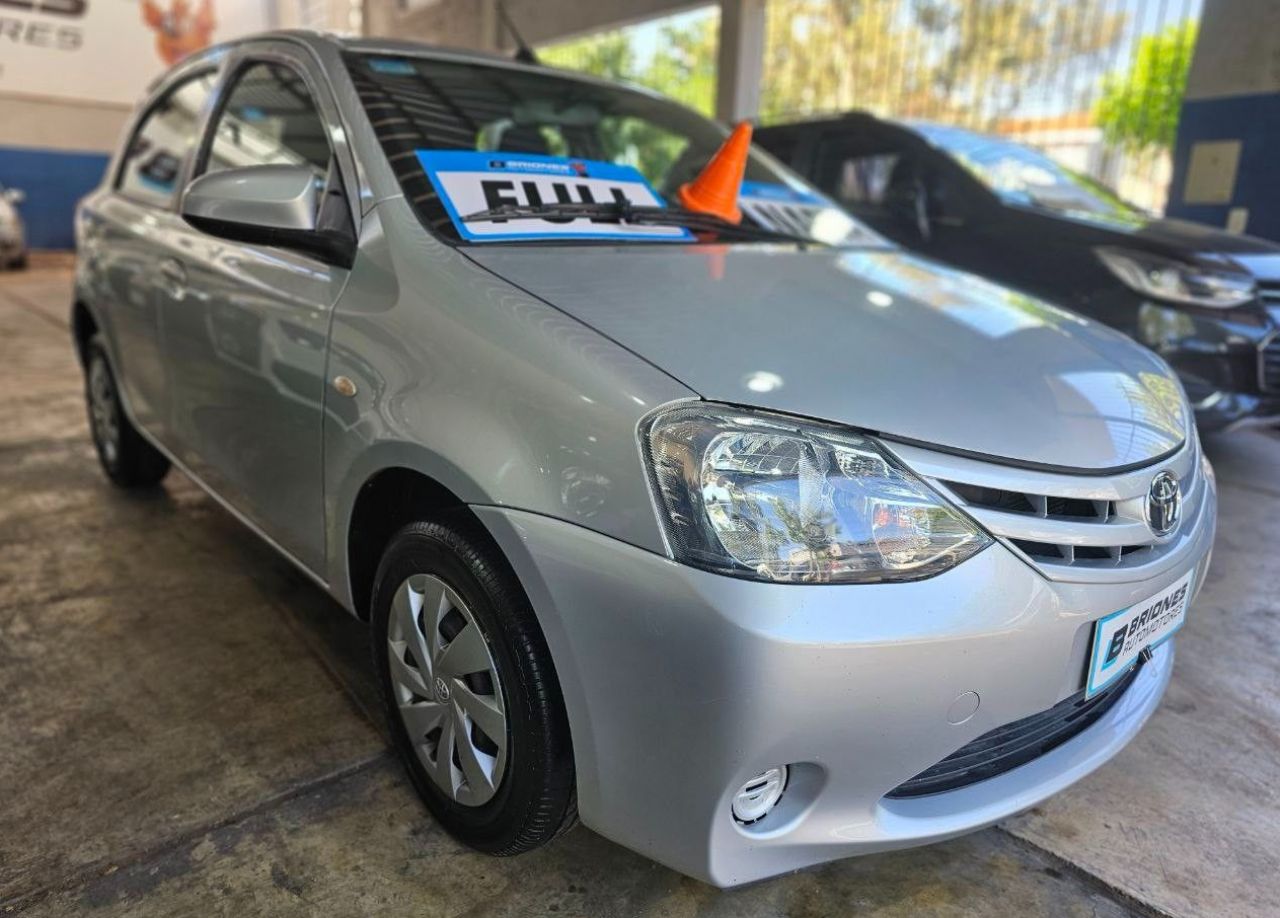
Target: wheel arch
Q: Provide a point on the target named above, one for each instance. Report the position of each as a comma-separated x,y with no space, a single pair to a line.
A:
386,500
84,325
392,495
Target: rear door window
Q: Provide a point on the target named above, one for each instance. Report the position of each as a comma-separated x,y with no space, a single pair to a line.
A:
164,138
856,173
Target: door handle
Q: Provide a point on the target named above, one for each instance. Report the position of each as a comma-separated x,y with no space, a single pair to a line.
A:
175,277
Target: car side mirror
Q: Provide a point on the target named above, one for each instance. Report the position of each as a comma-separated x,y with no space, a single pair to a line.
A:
266,205
15,196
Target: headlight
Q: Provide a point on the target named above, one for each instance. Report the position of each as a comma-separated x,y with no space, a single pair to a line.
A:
1175,281
766,497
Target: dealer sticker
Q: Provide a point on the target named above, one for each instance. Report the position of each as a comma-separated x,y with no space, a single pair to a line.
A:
1121,636
470,182
792,210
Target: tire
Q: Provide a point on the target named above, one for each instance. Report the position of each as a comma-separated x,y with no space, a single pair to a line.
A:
525,794
128,459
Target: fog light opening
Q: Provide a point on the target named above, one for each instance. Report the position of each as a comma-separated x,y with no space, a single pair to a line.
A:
758,796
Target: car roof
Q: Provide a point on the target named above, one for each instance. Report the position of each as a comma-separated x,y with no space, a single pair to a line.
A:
828,120
356,43
926,130
394,46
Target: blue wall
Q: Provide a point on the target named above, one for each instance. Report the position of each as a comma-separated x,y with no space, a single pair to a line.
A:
53,180
1255,121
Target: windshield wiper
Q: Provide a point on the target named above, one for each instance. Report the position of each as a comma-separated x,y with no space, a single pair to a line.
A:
638,215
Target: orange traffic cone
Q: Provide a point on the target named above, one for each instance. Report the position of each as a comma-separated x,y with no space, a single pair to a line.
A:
715,190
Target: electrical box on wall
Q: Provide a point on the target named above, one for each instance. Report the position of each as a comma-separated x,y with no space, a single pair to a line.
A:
1211,172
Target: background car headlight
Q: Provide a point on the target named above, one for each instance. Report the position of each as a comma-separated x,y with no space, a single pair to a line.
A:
1176,281
766,497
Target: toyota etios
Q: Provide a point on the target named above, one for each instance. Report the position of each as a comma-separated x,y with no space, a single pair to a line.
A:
677,501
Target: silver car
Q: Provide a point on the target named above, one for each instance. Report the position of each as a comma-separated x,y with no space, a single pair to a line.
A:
13,232
751,544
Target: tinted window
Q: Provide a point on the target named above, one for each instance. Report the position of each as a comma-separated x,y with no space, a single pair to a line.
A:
269,118
856,179
161,143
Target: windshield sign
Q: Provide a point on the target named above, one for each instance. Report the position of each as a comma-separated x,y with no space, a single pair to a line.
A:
799,211
470,182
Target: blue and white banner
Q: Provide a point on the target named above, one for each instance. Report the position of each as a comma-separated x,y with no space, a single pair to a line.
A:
469,182
793,210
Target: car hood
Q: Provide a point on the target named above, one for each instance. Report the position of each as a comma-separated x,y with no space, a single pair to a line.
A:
1186,240
1200,237
1214,246
874,338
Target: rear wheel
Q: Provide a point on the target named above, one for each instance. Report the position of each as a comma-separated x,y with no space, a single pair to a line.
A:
128,459
474,706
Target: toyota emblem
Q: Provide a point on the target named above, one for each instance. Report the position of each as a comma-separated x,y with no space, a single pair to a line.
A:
1164,504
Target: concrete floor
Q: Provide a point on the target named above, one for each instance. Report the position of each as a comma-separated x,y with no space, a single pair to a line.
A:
187,726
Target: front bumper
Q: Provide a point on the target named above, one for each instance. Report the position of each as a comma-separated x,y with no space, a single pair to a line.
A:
12,247
680,685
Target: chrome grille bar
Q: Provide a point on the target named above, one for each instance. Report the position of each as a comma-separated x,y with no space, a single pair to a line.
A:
1084,528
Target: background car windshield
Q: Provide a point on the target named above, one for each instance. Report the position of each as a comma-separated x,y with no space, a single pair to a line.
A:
418,103
1022,175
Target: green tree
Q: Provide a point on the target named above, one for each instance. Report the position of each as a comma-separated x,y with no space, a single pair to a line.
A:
968,62
607,54
682,65
1138,110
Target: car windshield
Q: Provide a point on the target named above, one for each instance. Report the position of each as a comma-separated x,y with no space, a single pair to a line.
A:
445,107
1021,175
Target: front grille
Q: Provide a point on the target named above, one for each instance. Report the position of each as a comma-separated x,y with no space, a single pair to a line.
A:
1005,748
1072,527
1041,505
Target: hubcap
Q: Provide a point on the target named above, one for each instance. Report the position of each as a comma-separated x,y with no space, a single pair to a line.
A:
103,416
447,690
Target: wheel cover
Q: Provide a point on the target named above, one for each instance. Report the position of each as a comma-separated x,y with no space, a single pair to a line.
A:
104,416
447,690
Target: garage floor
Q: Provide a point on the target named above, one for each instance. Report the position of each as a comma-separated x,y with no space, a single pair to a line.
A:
187,726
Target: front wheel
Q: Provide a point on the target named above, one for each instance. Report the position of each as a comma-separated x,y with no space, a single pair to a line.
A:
128,459
474,706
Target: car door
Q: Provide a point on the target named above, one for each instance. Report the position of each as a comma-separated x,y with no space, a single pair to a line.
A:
123,234
246,325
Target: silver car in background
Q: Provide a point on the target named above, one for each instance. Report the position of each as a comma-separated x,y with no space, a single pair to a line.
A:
750,545
13,232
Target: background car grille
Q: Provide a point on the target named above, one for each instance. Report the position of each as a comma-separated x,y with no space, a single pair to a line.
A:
1270,364
1269,354
1005,748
